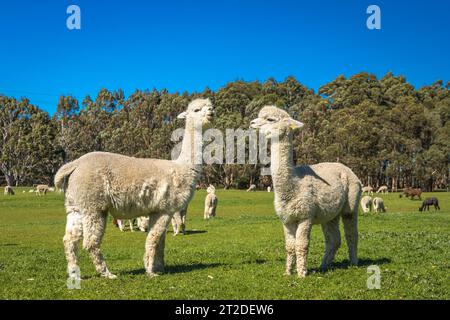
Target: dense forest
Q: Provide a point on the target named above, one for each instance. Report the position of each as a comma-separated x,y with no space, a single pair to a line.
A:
384,129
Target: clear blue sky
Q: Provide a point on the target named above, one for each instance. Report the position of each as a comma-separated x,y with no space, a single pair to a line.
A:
190,44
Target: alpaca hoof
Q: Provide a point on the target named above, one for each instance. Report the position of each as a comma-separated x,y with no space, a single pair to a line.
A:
153,274
109,275
302,274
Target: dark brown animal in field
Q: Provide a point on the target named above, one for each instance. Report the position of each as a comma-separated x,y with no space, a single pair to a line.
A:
430,202
410,192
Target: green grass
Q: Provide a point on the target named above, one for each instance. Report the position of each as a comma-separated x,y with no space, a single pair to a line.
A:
238,255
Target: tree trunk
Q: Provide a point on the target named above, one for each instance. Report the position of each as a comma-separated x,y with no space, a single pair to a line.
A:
9,179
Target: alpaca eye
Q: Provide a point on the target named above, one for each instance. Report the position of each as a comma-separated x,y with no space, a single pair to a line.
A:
197,110
271,120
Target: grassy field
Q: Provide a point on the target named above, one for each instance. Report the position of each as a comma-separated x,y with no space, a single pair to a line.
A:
238,255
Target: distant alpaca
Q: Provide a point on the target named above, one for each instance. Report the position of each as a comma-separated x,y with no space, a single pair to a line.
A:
430,202
211,201
306,195
410,192
367,190
378,205
143,223
9,191
269,189
383,189
41,189
366,204
251,188
179,222
121,224
127,187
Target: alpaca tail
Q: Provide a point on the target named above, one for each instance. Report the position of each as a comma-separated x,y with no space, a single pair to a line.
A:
63,174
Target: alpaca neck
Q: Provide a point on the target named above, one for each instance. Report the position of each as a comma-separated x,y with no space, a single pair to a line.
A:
282,165
191,147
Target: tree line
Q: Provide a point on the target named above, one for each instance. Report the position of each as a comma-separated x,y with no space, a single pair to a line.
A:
385,130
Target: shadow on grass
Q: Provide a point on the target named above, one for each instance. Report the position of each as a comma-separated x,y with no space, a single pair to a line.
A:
189,232
179,268
345,264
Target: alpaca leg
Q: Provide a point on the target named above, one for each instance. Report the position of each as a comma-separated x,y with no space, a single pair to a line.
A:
183,221
131,224
154,245
177,223
120,224
289,235
94,225
332,241
302,245
351,236
72,238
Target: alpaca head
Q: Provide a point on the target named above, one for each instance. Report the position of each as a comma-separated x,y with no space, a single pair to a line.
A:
211,189
274,122
199,111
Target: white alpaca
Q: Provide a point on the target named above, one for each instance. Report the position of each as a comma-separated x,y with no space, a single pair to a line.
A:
9,191
179,222
383,189
307,195
121,224
366,204
41,189
269,189
378,205
211,201
143,223
251,188
127,188
367,190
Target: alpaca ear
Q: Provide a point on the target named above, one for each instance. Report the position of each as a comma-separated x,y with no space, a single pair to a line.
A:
294,124
182,115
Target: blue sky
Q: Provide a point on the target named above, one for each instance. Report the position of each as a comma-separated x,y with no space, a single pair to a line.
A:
188,45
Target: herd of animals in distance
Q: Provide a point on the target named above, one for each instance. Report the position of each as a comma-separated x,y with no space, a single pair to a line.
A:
157,192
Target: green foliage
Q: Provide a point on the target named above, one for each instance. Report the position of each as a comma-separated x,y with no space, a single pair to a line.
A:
385,130
238,255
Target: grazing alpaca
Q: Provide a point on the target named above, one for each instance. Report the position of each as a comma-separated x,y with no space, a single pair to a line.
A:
210,203
366,204
251,188
307,195
9,191
430,202
367,190
128,187
383,189
410,192
41,189
378,205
